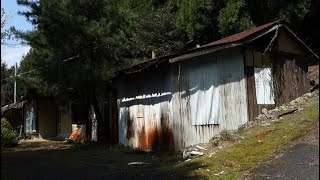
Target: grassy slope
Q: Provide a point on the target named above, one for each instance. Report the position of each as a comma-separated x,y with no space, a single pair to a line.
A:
259,143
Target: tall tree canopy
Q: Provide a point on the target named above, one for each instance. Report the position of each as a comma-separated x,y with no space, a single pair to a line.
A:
5,32
6,84
234,18
159,35
198,18
95,32
6,72
107,35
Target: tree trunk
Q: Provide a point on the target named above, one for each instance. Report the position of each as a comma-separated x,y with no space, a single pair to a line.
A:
88,119
101,134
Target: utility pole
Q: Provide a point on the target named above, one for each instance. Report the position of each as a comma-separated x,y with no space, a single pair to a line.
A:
15,84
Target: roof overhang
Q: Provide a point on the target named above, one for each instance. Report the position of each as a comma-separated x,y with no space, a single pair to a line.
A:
210,49
17,105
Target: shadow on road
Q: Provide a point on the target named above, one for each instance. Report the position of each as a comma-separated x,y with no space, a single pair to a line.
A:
55,159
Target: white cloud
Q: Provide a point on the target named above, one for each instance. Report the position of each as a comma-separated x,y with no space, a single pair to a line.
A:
11,55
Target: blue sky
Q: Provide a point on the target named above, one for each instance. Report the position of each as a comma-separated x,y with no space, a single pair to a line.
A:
13,54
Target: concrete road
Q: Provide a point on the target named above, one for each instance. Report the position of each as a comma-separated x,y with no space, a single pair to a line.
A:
299,161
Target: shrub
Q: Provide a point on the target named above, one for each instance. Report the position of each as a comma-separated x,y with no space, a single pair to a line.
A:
225,135
8,134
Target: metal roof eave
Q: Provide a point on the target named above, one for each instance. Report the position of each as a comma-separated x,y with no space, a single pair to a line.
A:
206,50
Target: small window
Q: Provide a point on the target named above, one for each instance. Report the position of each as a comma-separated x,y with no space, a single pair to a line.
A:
264,85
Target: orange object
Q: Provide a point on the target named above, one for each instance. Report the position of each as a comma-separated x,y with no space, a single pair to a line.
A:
75,135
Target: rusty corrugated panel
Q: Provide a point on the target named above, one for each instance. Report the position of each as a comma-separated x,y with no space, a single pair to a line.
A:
145,120
146,126
185,104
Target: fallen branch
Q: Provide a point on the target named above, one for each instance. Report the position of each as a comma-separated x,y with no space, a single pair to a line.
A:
286,112
201,148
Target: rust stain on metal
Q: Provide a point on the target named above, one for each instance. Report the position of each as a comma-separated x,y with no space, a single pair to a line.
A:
166,139
175,112
153,138
130,130
143,144
114,123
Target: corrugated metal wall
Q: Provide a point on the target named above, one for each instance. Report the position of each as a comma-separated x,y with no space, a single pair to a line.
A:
210,96
184,103
145,120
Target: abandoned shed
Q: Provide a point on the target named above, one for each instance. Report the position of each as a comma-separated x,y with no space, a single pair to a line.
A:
187,98
40,117
14,114
49,117
36,117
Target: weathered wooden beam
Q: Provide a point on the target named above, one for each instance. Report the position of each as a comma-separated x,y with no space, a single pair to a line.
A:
289,111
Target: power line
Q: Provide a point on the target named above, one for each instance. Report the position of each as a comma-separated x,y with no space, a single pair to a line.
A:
18,75
27,72
15,85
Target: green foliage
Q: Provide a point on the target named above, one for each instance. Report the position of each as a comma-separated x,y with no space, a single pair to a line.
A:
195,16
36,64
108,35
234,18
295,11
5,32
6,84
136,6
6,72
8,135
97,32
160,34
153,29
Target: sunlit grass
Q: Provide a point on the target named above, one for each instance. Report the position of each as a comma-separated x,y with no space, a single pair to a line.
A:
258,144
